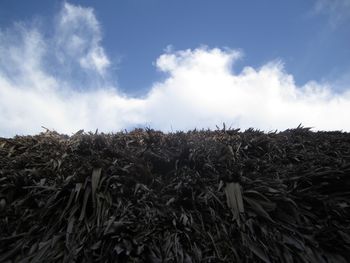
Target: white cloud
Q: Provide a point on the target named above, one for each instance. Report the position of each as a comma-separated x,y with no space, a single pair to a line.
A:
201,89
79,36
337,10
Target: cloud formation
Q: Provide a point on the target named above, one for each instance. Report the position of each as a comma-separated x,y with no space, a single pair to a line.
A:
202,90
40,76
79,36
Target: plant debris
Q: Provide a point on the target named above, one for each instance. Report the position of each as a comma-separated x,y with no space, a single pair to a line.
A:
199,196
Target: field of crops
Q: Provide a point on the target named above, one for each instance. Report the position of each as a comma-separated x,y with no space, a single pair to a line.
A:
200,196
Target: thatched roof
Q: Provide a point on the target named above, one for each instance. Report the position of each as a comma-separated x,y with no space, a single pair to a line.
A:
201,196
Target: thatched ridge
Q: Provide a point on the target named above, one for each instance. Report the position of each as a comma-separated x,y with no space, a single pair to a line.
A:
201,196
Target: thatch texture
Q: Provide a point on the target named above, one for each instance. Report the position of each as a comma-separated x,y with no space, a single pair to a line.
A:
201,196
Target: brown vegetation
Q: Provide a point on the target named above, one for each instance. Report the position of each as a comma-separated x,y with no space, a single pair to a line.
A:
201,196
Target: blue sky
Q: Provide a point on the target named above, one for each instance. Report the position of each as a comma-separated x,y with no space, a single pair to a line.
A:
136,52
136,32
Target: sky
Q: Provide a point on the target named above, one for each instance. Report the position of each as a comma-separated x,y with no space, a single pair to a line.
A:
173,65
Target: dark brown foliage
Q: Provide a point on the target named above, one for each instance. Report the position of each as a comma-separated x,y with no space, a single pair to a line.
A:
201,196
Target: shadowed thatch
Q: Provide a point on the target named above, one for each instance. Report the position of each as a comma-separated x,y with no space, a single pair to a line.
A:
201,196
